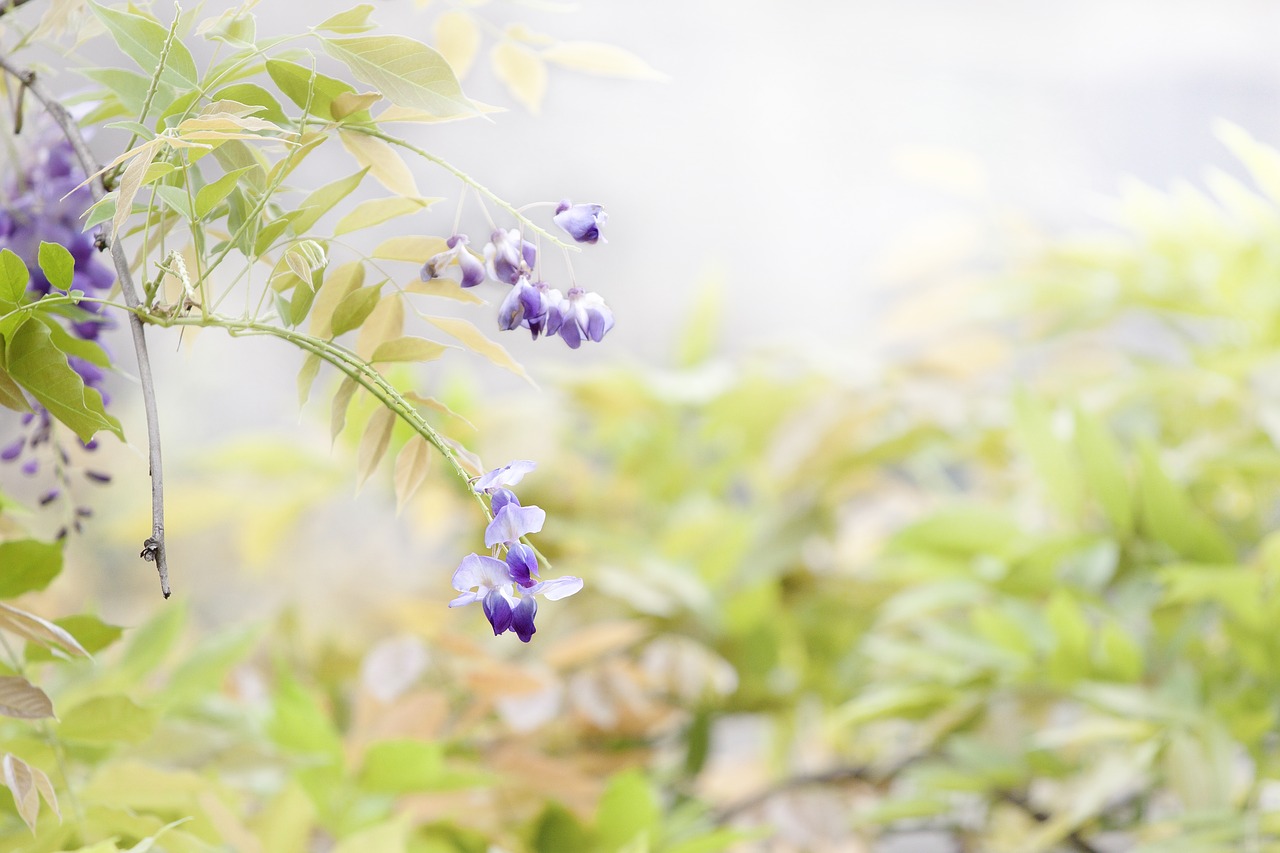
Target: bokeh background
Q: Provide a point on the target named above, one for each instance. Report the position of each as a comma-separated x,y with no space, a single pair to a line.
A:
895,486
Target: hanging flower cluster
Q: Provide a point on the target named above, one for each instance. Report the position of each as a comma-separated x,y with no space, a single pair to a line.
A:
532,304
506,588
40,202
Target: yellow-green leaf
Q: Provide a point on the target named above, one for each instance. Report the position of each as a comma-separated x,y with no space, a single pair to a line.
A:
458,39
366,214
382,161
411,469
354,309
385,322
32,627
374,442
415,250
307,377
523,72
107,719
408,349
341,401
341,282
446,287
607,60
322,200
406,71
475,340
349,103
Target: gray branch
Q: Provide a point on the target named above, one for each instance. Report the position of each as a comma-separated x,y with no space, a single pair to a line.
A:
153,549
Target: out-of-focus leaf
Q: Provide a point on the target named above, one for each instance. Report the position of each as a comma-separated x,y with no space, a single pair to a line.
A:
604,59
457,39
107,719
354,20
415,250
446,287
20,781
411,469
374,443
28,565
307,377
38,630
628,810
92,633
341,401
1168,515
22,699
299,724
523,72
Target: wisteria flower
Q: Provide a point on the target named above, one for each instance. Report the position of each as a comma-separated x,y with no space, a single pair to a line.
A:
457,253
491,582
583,316
507,475
507,256
511,520
531,305
582,222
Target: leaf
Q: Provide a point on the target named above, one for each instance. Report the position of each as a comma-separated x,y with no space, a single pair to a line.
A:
407,72
92,633
1103,468
295,82
373,444
11,396
21,699
1168,515
129,86
354,309
211,195
336,287
322,200
379,210
446,287
414,250
38,630
381,161
341,401
28,565
408,349
57,265
349,103
474,340
411,469
307,377
458,40
42,369
400,766
628,808
21,783
604,59
176,199
523,72
354,20
299,724
130,183
385,322
1056,471
142,39
254,95
108,719
14,277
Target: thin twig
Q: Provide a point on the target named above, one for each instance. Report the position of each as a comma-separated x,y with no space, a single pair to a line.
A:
153,549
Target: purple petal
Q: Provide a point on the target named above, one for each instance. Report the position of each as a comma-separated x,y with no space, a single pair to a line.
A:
507,475
500,498
13,451
523,563
498,611
522,618
530,253
511,312
477,571
465,599
472,269
512,522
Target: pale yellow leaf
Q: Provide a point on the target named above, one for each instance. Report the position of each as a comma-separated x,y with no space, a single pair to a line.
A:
366,214
350,102
523,72
130,182
21,699
475,340
469,461
18,778
298,265
458,39
341,401
415,250
382,161
373,444
408,349
436,405
45,787
307,378
445,287
521,33
234,108
406,114
384,323
604,59
411,469
343,280
38,630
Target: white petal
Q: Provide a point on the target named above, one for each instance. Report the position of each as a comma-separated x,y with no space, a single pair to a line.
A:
556,588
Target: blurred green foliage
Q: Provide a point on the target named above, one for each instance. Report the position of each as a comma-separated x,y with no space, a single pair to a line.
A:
1018,589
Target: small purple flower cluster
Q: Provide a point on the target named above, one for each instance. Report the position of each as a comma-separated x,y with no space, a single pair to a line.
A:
575,316
494,582
41,203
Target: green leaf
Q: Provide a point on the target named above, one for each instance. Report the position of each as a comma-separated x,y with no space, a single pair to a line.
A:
1104,471
399,766
42,369
298,723
14,277
322,200
211,195
28,565
354,20
57,264
628,809
557,830
379,210
1056,472
307,377
406,71
176,199
11,396
107,719
92,633
129,86
354,309
255,96
142,39
295,82
1169,516
150,644
408,348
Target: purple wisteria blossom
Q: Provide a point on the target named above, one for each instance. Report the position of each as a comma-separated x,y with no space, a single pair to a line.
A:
472,271
506,589
493,583
40,201
507,256
583,316
582,222
533,306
